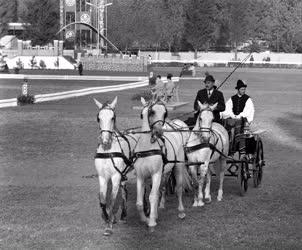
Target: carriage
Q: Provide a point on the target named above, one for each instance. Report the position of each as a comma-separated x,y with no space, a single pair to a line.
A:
162,147
250,166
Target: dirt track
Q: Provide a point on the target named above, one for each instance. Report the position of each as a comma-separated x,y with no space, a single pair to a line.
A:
45,149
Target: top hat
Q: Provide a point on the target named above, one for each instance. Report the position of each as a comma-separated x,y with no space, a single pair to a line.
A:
240,84
209,78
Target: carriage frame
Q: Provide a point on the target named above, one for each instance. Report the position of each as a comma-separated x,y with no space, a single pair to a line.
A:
250,165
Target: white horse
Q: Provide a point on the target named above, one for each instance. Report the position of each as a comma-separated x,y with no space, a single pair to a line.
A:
156,154
208,144
112,162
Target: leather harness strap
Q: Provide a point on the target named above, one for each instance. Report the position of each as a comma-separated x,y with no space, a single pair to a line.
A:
112,155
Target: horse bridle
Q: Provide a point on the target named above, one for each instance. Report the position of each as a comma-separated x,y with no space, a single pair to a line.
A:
114,118
201,129
151,112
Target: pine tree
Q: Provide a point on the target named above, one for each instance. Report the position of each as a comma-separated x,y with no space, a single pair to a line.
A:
43,19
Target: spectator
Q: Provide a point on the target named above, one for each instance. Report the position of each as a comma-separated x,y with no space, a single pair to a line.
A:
80,68
159,90
170,87
192,69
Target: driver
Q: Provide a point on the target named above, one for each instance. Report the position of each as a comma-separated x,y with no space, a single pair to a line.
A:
239,113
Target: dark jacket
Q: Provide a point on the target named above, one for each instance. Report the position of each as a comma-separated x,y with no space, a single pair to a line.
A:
216,96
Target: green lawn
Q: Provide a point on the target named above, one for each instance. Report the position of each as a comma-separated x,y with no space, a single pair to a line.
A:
46,149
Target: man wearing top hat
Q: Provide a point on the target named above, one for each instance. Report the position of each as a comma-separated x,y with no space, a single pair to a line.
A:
209,95
239,112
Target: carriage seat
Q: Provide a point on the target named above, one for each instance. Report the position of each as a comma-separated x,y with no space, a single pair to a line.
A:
237,131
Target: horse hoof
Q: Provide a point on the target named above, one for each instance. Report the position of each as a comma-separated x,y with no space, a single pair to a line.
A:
207,200
181,215
108,232
161,207
195,204
152,229
200,204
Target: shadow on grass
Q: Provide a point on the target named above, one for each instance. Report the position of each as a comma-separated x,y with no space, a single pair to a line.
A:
291,123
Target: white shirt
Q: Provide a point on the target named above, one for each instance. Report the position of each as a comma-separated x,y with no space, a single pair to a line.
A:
248,111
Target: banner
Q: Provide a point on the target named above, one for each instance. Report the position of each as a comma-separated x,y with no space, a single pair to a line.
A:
70,5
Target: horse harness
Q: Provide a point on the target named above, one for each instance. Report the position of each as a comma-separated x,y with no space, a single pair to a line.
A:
205,144
111,155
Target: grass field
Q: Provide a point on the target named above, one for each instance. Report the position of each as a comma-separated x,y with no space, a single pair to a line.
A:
46,149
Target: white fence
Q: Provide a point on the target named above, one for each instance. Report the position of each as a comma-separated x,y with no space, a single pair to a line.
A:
221,57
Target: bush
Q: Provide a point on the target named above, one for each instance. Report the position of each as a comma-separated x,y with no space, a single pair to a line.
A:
25,99
16,70
19,64
42,64
146,94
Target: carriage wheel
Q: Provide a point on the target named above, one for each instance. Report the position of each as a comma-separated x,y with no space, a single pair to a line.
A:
242,176
258,164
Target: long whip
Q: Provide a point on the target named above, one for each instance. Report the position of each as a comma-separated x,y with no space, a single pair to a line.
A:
235,69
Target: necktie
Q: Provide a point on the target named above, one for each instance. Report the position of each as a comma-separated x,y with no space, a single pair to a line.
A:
209,93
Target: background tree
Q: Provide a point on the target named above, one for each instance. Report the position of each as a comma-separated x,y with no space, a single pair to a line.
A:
43,19
170,21
238,22
285,25
200,26
8,13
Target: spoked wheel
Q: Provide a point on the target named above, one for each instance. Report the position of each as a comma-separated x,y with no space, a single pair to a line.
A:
242,176
258,164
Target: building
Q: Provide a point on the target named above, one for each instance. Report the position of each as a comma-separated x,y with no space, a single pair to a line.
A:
91,12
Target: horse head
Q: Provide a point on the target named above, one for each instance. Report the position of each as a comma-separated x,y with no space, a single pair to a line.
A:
205,119
156,114
106,119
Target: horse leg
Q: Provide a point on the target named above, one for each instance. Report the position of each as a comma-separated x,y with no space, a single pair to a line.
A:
223,166
153,199
163,185
146,204
179,173
115,187
102,198
207,191
140,185
203,172
193,170
124,202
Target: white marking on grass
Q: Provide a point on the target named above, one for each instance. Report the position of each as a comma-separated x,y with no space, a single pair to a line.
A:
75,93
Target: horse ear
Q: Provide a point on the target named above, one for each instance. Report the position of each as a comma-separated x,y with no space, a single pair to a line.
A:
113,104
202,106
143,101
214,106
100,105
